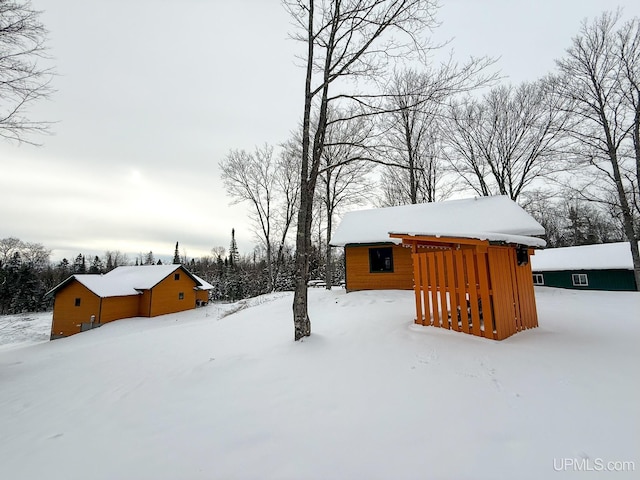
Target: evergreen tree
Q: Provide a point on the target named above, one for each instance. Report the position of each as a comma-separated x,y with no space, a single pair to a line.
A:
28,294
176,256
149,259
96,266
79,264
110,265
234,256
64,269
10,287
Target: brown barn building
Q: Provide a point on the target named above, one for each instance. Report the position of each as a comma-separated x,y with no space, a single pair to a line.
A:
467,261
83,302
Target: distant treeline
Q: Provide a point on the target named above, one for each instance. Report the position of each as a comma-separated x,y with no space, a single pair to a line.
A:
27,273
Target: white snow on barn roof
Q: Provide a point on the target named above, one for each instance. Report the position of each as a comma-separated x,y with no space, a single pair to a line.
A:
496,218
103,287
124,281
585,257
204,285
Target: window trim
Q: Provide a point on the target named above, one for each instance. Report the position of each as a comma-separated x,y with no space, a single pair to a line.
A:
576,279
392,267
538,279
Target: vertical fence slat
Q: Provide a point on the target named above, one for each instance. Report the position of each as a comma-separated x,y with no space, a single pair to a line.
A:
523,298
452,290
442,290
425,289
417,289
483,282
461,284
433,293
527,296
517,325
469,256
497,280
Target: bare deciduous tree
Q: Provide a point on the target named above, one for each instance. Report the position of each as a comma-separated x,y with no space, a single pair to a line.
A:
599,78
33,254
22,79
421,175
115,258
270,186
569,220
343,183
502,143
412,127
628,54
344,40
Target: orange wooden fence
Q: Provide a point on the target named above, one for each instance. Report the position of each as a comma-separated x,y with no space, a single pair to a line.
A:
474,289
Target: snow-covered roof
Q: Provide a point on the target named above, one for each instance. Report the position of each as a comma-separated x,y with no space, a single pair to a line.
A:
102,286
204,285
603,256
123,281
496,218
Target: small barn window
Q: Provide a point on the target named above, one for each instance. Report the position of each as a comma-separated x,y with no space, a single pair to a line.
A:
538,279
176,276
381,259
181,296
78,300
579,280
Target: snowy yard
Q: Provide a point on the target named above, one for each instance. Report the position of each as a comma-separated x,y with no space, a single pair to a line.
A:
223,392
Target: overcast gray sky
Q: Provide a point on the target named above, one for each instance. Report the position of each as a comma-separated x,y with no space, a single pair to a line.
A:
151,94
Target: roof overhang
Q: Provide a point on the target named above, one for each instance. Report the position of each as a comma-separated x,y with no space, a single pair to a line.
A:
480,238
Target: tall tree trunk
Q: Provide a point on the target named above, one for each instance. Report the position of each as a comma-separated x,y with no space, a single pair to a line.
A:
413,189
627,214
328,275
301,322
270,271
627,220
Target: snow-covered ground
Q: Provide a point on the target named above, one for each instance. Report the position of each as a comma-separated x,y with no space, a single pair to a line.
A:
223,392
24,329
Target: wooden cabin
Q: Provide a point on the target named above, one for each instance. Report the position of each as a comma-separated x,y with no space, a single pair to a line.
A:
83,302
606,266
466,260
378,266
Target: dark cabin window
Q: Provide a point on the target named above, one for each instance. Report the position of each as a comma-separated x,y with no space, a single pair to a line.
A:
181,296
538,279
381,260
77,302
176,276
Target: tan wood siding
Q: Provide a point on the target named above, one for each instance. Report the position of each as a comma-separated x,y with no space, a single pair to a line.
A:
144,306
115,308
165,295
66,316
359,276
202,295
